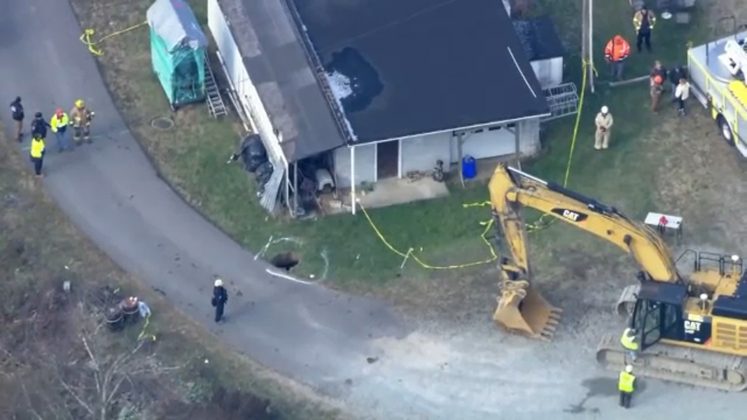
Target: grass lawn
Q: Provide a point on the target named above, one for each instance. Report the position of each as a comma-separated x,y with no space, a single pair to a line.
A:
624,175
343,249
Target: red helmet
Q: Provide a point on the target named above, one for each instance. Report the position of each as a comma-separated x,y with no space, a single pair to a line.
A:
658,80
58,111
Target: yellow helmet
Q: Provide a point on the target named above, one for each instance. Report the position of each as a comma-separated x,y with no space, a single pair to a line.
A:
80,103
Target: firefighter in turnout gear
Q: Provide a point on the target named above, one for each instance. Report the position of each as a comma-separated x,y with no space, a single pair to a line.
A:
626,386
81,120
643,22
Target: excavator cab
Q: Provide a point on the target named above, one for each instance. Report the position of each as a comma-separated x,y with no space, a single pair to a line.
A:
658,312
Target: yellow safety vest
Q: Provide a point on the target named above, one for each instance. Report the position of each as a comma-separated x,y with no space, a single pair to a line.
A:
55,122
626,382
638,20
37,148
628,340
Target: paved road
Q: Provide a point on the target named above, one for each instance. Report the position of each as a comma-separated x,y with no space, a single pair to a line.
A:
316,336
111,192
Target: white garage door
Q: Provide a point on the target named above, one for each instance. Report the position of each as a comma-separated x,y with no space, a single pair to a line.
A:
488,142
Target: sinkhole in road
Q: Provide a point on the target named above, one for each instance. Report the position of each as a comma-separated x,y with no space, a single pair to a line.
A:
285,260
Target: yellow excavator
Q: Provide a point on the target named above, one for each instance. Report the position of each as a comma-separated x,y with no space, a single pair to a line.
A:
690,329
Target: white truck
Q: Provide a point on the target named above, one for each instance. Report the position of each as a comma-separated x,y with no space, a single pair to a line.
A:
717,72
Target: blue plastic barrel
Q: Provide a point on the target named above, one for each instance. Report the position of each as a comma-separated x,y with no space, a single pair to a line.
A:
469,167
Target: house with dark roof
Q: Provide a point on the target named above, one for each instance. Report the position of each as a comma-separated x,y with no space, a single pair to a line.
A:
376,89
543,48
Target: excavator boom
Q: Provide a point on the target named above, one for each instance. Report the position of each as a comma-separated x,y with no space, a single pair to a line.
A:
691,330
521,308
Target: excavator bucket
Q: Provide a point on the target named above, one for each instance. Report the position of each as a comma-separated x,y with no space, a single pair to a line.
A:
522,309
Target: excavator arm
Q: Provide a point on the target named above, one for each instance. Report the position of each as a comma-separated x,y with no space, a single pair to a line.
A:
520,307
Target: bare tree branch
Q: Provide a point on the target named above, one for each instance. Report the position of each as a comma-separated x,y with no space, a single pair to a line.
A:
157,369
122,378
28,401
82,403
94,361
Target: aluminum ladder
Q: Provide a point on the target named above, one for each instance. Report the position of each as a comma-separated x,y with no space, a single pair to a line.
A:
214,100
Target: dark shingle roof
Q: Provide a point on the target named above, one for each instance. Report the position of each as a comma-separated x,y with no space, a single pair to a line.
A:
539,38
419,66
274,56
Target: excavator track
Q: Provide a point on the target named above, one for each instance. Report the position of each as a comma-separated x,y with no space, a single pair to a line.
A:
678,364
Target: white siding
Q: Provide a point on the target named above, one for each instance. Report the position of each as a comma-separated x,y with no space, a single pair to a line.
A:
365,165
421,153
485,143
549,72
246,91
529,132
498,141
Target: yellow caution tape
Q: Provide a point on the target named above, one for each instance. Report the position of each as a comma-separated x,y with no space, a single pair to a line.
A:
143,334
411,251
477,204
541,223
92,45
545,220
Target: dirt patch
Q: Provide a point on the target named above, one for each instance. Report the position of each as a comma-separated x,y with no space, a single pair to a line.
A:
718,9
229,405
699,178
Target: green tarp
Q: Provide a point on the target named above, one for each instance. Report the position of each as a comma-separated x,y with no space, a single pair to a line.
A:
178,47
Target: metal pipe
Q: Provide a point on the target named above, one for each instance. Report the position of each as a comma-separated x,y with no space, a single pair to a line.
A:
590,49
399,160
526,175
352,179
460,152
295,186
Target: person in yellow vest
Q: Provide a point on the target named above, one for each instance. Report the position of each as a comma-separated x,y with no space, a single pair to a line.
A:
626,386
629,343
36,153
58,123
81,118
643,22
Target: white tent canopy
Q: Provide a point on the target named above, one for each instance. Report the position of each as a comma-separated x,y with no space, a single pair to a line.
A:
176,24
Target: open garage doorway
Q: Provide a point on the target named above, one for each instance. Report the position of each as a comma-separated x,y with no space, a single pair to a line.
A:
387,159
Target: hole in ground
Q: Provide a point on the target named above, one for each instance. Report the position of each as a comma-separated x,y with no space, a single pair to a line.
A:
285,260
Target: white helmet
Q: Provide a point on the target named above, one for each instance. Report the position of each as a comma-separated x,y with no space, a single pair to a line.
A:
605,109
218,283
629,368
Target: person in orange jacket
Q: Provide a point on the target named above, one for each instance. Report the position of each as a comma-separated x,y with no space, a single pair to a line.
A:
616,51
